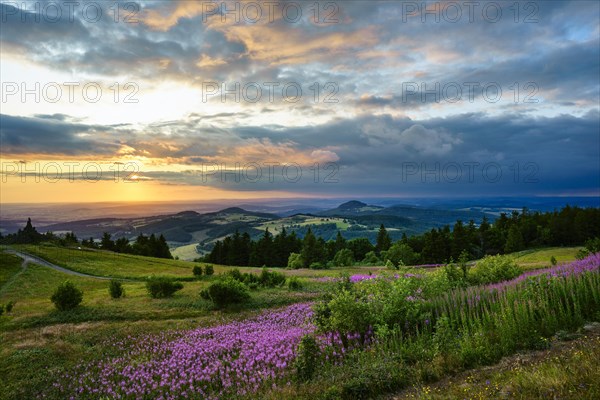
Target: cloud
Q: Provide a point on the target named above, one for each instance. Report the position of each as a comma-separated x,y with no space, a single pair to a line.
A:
55,136
371,152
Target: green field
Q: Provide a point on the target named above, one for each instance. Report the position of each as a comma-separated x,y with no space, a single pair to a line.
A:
36,337
562,254
9,266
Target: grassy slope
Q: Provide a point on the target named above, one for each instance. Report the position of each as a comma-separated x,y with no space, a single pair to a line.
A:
102,263
35,336
540,257
568,370
9,266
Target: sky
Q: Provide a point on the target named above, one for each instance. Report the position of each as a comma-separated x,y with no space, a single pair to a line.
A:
200,100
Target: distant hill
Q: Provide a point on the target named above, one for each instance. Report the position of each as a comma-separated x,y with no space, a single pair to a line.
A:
352,208
410,215
183,227
353,219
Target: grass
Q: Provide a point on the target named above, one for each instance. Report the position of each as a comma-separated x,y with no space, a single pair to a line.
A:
32,290
10,266
128,266
568,370
186,252
37,340
109,264
537,257
275,226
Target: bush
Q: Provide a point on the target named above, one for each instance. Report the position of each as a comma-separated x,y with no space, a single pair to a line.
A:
343,258
1,309
66,296
209,270
371,259
115,289
492,269
161,287
197,270
9,306
265,279
226,291
582,253
400,254
295,261
271,278
318,265
553,260
308,358
593,245
295,284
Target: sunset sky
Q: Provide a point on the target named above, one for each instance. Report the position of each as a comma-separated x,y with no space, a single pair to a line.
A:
186,100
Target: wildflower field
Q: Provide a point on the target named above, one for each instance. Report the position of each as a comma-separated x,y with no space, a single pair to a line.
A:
356,336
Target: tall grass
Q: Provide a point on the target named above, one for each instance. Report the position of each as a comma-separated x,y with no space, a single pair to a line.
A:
471,327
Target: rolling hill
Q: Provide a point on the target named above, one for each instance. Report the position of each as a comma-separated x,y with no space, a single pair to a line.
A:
191,233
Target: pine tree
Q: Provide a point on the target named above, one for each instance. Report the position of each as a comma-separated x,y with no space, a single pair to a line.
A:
383,240
310,250
106,243
340,242
514,241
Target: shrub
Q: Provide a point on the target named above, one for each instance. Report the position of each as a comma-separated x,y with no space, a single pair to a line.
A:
160,287
553,260
66,296
295,284
227,291
371,258
115,289
457,274
1,309
197,270
235,274
400,253
295,261
9,306
209,270
308,358
492,269
318,265
591,246
343,258
204,294
271,278
265,279
582,253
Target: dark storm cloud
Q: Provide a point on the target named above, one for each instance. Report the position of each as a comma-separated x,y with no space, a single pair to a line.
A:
54,136
370,52
372,151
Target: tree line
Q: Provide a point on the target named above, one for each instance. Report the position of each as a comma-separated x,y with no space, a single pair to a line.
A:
509,233
517,231
150,246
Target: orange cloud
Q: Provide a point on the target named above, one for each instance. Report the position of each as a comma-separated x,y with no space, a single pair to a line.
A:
278,45
162,20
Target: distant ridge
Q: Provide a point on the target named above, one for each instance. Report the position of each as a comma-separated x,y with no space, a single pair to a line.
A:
351,205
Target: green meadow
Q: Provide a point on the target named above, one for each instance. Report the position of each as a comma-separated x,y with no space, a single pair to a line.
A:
38,341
